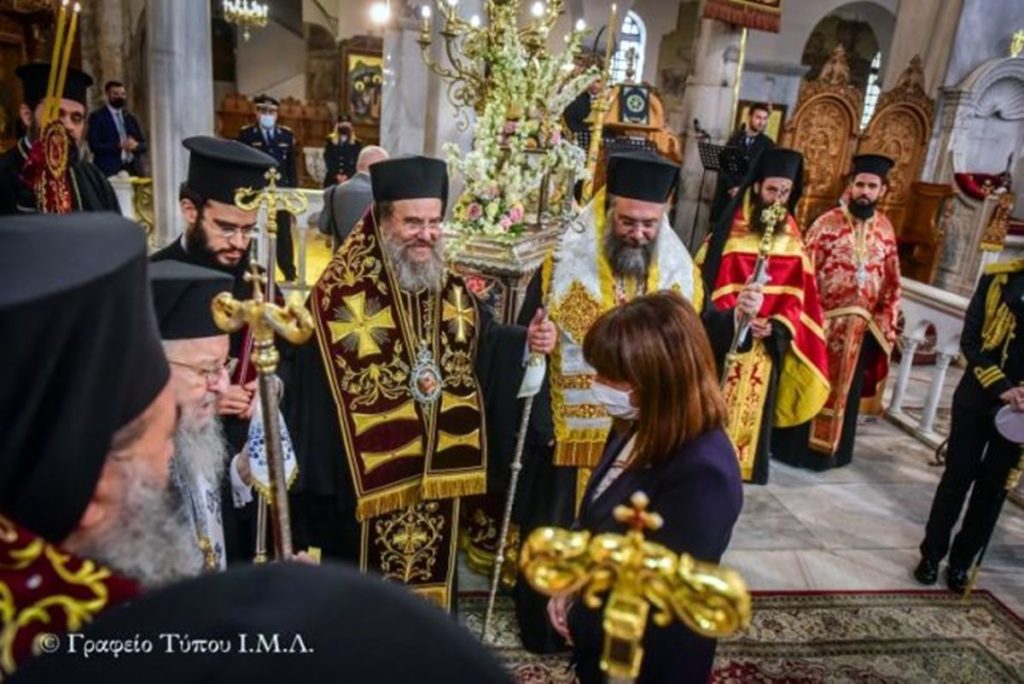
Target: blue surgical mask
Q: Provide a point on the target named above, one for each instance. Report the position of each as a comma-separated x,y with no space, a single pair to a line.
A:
267,121
615,401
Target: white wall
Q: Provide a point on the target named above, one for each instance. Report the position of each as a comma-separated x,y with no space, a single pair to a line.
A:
985,30
273,61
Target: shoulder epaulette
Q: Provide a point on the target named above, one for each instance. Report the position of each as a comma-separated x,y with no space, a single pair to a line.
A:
247,127
284,128
1005,267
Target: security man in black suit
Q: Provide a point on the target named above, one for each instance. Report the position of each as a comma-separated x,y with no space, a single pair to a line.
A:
993,343
279,142
751,140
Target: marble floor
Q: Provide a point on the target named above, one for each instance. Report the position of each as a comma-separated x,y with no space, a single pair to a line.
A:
854,528
858,527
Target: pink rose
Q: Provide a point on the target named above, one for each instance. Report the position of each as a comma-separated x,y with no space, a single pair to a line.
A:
556,137
516,214
505,222
474,211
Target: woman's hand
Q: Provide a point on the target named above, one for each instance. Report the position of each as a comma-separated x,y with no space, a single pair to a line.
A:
558,614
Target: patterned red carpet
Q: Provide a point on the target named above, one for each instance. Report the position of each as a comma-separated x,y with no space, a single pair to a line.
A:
863,637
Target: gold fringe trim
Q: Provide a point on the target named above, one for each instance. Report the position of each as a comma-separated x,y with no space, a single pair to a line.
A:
579,453
391,499
454,486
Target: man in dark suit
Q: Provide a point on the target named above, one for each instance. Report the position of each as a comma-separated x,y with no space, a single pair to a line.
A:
750,140
978,456
279,142
115,136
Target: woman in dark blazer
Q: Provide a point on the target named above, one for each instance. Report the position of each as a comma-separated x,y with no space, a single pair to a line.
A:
656,377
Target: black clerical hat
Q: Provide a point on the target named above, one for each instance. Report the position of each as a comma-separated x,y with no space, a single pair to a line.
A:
779,162
181,297
217,167
284,622
35,77
80,357
412,177
878,164
642,176
264,99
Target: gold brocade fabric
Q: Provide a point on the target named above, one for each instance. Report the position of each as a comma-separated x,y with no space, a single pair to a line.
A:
745,392
857,270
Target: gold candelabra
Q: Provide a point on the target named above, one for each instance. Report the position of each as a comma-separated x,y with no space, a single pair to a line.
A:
598,110
636,574
246,14
470,44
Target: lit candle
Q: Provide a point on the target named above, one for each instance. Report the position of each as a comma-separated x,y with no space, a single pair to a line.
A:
66,59
474,21
581,25
425,14
52,81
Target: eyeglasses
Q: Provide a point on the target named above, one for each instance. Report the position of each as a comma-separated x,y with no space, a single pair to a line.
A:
232,233
209,373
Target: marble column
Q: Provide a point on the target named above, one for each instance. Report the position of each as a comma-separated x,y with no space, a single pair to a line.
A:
404,91
926,28
931,405
899,391
708,97
180,61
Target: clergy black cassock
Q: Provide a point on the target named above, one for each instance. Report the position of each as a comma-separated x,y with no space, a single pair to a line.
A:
80,358
351,302
547,492
90,189
285,622
216,168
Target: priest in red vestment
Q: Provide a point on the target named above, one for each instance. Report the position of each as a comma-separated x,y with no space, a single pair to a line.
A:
779,378
857,267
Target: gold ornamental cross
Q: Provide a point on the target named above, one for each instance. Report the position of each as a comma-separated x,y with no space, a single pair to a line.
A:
460,312
362,325
1017,43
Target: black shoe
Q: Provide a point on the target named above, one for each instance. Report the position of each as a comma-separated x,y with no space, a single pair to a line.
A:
956,579
927,571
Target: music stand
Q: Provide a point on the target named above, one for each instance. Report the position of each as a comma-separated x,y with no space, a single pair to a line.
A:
711,160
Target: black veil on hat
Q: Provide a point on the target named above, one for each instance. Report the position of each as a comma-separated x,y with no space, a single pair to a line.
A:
217,167
182,294
412,177
642,176
351,626
35,77
80,357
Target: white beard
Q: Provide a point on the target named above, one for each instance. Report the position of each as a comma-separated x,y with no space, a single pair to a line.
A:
150,539
414,276
200,451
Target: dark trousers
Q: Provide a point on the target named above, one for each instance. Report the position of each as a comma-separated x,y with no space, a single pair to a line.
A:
285,251
980,456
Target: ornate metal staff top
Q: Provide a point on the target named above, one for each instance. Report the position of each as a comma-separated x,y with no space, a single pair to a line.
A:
711,600
770,217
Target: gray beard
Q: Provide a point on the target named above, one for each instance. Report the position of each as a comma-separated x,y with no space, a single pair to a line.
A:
150,539
200,451
414,276
626,259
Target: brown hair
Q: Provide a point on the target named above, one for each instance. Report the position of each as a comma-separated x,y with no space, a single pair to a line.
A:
657,344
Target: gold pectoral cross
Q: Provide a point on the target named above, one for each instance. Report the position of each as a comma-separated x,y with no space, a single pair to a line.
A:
458,311
362,325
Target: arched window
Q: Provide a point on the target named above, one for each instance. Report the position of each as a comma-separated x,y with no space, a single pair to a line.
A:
633,36
872,92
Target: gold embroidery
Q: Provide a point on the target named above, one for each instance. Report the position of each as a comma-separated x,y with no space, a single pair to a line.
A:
376,380
368,421
579,382
365,321
577,311
746,390
375,459
409,541
458,368
446,440
458,314
585,411
354,263
451,401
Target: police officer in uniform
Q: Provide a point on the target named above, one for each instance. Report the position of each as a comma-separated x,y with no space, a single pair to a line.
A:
993,343
279,142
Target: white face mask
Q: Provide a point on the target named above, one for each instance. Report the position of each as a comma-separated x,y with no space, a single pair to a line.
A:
267,120
615,401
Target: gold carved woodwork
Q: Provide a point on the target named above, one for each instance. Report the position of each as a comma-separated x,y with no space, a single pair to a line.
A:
824,127
901,128
920,237
994,237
